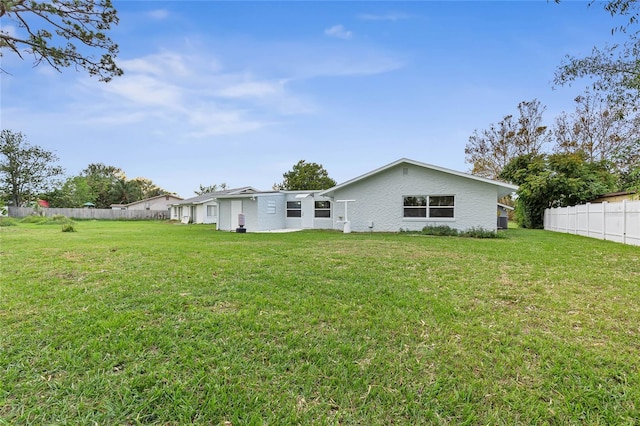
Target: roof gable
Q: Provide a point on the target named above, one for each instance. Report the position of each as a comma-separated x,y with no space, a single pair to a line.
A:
203,198
146,200
504,187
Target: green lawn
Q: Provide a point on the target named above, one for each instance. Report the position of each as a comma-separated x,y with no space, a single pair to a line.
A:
158,323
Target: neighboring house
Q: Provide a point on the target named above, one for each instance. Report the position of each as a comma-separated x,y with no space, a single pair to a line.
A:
403,195
203,208
160,202
613,197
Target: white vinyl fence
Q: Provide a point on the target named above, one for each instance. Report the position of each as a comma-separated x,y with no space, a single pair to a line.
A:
619,221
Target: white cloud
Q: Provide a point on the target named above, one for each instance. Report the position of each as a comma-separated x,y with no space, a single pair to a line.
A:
159,14
9,30
210,121
384,17
338,31
191,95
250,89
146,91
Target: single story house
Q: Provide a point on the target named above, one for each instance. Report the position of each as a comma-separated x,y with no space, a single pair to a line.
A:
159,202
203,208
403,195
613,197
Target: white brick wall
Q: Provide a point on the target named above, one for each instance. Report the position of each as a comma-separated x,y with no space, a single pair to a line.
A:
379,198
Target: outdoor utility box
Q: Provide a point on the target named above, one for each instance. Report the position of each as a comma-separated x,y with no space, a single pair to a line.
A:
503,222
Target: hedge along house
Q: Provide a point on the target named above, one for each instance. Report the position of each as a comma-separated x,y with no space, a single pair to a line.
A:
403,195
203,208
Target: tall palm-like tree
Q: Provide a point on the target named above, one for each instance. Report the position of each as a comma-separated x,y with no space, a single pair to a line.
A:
125,191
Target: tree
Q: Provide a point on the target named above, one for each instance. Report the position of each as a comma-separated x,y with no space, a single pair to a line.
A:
124,191
306,176
73,193
51,32
556,180
613,68
25,170
101,179
211,188
147,188
531,136
490,150
599,129
629,172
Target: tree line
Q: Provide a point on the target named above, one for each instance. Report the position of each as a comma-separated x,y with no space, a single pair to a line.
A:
591,151
30,172
585,153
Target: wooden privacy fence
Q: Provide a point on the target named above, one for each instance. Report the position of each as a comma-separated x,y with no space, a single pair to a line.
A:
106,214
619,221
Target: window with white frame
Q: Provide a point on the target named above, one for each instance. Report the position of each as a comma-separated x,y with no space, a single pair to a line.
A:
429,206
415,206
441,206
212,211
294,209
323,209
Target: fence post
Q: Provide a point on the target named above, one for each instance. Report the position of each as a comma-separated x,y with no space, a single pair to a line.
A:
624,221
604,220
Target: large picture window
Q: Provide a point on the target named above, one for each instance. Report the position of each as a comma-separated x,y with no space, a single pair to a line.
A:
323,209
431,206
294,209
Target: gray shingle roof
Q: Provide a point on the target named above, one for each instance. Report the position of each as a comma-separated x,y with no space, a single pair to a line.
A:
212,195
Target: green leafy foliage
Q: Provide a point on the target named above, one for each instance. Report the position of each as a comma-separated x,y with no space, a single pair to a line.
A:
102,185
25,170
69,227
613,68
37,219
447,231
61,32
440,230
205,189
479,232
306,176
556,180
74,192
8,221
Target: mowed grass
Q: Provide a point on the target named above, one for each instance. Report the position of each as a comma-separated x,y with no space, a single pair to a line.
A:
158,323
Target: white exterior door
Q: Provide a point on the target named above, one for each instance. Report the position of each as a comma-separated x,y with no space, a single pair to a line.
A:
236,209
308,211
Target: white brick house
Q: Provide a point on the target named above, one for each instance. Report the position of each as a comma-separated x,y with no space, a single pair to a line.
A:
403,195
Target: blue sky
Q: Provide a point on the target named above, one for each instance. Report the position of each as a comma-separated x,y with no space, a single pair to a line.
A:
238,92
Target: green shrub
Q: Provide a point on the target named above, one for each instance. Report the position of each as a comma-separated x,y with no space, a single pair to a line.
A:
68,227
33,219
59,220
441,231
8,221
479,233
